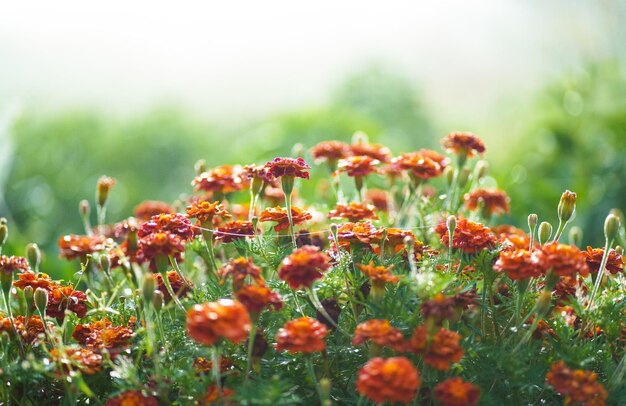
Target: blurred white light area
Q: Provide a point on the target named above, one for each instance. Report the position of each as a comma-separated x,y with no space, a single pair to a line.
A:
235,59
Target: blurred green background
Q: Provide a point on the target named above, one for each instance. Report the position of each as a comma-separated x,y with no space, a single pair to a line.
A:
570,135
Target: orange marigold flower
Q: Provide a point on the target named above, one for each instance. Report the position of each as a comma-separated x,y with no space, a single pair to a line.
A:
562,259
175,224
614,264
239,269
463,143
358,165
303,266
290,167
362,231
442,160
102,334
258,297
79,246
204,211
578,386
146,209
12,264
517,265
165,244
223,179
212,396
394,240
492,201
418,165
379,198
178,285
132,398
29,334
456,392
439,308
203,365
378,275
380,332
234,230
388,380
209,322
469,237
353,212
330,151
279,215
440,350
61,298
87,361
302,335
375,151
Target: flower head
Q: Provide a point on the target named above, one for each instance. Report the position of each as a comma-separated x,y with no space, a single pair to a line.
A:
379,198
463,143
146,209
378,275
13,264
213,396
378,152
209,322
439,308
87,361
303,266
79,246
279,215
175,224
456,392
517,264
562,259
469,237
492,201
418,165
160,244
102,334
388,380
61,298
239,269
132,398
302,335
204,211
330,151
258,297
353,212
614,264
380,332
290,167
222,179
439,350
33,280
178,285
362,232
234,230
578,386
393,240
28,331
358,165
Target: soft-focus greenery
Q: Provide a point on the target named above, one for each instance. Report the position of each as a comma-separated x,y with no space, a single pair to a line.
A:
573,136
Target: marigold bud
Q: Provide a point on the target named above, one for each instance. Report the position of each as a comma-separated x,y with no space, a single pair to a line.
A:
29,296
448,172
533,219
464,177
4,233
359,137
105,184
147,287
482,167
105,263
200,166
619,250
545,231
157,300
41,300
451,224
576,236
611,227
567,206
543,302
33,255
84,208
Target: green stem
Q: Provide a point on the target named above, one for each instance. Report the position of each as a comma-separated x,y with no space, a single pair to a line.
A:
216,369
311,370
179,272
600,275
250,348
10,314
289,217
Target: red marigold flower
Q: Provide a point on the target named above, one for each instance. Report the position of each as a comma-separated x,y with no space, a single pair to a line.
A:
161,243
280,167
379,198
512,238
442,160
378,152
578,386
134,398
223,179
517,265
204,211
33,280
394,240
303,266
362,231
179,286
330,151
493,201
439,308
205,366
146,209
12,264
463,143
302,335
209,322
234,230
258,297
279,215
79,246
175,224
358,165
562,259
239,269
456,392
388,380
469,237
85,360
614,264
61,298
29,334
418,165
212,396
378,275
440,350
353,212
380,332
102,334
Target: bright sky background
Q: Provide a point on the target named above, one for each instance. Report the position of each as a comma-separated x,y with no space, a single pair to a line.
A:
234,59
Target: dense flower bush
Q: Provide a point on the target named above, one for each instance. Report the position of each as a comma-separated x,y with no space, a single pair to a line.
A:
395,284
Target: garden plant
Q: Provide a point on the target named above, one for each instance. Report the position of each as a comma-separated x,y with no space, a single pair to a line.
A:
395,282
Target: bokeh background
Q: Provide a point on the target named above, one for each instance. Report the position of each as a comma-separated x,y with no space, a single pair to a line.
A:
141,90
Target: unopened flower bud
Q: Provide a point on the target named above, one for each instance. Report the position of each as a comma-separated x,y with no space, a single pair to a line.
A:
576,236
543,303
84,208
103,188
545,232
567,206
41,300
29,295
619,250
4,234
360,137
157,300
297,149
533,219
451,224
200,166
611,227
449,175
482,167
409,242
147,288
33,255
105,263
255,221
325,387
464,177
